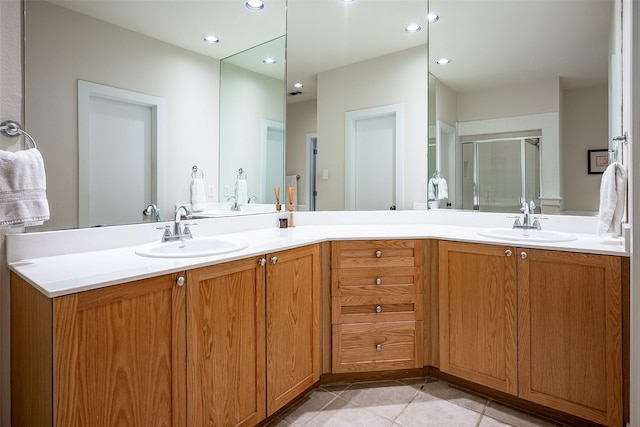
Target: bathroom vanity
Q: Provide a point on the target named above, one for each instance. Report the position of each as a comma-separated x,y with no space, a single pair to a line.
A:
230,339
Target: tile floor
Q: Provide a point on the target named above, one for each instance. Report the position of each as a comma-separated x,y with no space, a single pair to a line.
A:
414,402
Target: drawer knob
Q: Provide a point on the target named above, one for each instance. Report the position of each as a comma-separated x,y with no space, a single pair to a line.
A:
378,281
378,254
180,281
507,252
379,309
262,261
274,260
523,255
379,347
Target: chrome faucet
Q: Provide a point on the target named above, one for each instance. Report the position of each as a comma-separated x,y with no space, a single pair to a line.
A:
527,209
234,206
179,231
152,210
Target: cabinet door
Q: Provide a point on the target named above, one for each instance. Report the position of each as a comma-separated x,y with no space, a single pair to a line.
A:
293,319
119,355
225,332
478,314
570,337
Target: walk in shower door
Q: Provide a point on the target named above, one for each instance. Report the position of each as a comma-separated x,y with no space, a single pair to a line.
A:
498,173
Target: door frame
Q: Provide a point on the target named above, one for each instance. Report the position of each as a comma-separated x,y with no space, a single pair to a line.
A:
351,118
266,125
88,90
312,170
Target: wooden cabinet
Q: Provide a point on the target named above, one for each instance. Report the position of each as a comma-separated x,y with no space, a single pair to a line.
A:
569,325
292,324
226,369
376,305
570,333
111,356
478,314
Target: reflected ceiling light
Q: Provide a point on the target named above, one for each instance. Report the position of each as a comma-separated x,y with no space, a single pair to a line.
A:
432,18
413,28
443,61
211,39
298,85
269,61
254,5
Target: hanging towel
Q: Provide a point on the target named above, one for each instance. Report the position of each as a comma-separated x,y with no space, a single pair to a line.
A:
241,192
23,199
292,181
612,199
432,189
198,195
443,189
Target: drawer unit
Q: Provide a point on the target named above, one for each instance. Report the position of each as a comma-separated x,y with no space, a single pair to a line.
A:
376,346
376,309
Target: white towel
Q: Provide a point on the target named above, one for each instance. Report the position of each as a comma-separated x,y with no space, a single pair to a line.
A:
198,195
612,199
432,189
241,192
23,199
443,189
292,181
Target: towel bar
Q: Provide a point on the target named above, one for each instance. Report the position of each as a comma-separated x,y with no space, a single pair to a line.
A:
12,128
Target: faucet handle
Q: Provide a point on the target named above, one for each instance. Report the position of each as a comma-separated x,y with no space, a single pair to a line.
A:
186,231
167,232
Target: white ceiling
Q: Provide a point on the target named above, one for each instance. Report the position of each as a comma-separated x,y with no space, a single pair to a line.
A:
490,42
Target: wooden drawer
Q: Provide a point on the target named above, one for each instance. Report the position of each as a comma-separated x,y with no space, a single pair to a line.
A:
388,308
376,253
376,281
363,347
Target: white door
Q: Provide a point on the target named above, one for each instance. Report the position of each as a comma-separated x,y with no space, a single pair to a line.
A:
119,145
374,159
272,161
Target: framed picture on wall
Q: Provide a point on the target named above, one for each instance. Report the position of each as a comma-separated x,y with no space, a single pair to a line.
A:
598,160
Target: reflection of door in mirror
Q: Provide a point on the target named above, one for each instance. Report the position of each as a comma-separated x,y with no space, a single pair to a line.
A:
119,138
498,173
272,160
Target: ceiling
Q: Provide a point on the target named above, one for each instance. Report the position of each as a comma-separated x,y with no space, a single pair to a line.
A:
490,42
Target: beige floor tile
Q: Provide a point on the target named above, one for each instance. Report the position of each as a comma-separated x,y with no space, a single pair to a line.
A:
429,411
442,390
336,388
341,413
515,418
490,422
385,398
308,407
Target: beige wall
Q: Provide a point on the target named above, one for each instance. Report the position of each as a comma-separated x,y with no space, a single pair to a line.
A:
399,78
301,120
63,46
446,104
581,190
10,108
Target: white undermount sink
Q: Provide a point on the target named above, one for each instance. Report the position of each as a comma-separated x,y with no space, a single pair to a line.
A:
198,247
528,235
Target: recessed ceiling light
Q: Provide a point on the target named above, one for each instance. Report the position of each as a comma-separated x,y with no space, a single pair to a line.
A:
211,40
269,61
298,85
254,5
432,18
413,28
443,61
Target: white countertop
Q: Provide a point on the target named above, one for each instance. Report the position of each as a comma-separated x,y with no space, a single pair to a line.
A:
64,262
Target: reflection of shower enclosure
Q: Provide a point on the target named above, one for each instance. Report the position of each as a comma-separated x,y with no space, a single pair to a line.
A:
498,173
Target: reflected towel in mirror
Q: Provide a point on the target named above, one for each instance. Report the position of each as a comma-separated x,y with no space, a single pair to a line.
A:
241,192
198,195
612,199
23,200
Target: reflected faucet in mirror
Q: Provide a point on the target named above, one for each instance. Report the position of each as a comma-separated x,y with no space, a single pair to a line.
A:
152,210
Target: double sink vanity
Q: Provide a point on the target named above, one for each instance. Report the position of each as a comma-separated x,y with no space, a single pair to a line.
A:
110,326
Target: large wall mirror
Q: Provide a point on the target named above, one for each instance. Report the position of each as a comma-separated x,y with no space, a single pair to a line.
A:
150,77
531,86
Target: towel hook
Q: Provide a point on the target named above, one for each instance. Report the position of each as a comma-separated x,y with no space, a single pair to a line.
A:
194,172
13,128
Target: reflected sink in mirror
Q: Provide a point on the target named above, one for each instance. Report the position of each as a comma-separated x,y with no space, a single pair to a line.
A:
198,247
528,235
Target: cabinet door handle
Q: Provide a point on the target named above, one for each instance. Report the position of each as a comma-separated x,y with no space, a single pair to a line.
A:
508,252
262,261
379,347
180,281
378,254
378,281
523,255
379,309
274,260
